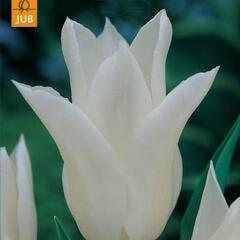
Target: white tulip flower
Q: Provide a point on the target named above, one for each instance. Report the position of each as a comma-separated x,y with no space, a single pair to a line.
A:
122,168
215,220
18,219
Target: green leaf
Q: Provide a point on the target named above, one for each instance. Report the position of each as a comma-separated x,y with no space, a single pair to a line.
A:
62,235
222,161
223,155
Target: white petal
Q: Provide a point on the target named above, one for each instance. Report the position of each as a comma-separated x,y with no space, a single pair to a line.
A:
27,218
93,181
158,82
177,175
109,40
151,157
8,194
212,210
150,48
230,227
119,97
81,54
50,90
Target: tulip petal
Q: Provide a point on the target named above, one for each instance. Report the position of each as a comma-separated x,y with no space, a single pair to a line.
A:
151,154
212,210
119,98
158,81
79,46
27,218
8,203
109,40
150,48
92,178
84,53
177,175
229,228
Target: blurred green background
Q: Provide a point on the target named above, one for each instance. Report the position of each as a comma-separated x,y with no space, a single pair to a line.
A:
206,34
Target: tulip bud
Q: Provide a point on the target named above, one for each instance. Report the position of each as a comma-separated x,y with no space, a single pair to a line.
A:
215,220
17,208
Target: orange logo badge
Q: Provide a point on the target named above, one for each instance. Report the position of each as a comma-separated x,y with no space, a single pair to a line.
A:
24,13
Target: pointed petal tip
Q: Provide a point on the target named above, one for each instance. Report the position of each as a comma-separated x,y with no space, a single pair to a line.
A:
21,141
160,13
22,138
211,166
68,24
107,25
157,17
211,170
3,150
26,90
165,27
214,71
210,75
107,21
212,175
164,19
163,13
21,144
21,87
164,16
18,84
205,78
68,20
3,154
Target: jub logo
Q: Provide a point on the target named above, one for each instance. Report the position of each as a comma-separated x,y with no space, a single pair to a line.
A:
24,13
24,19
